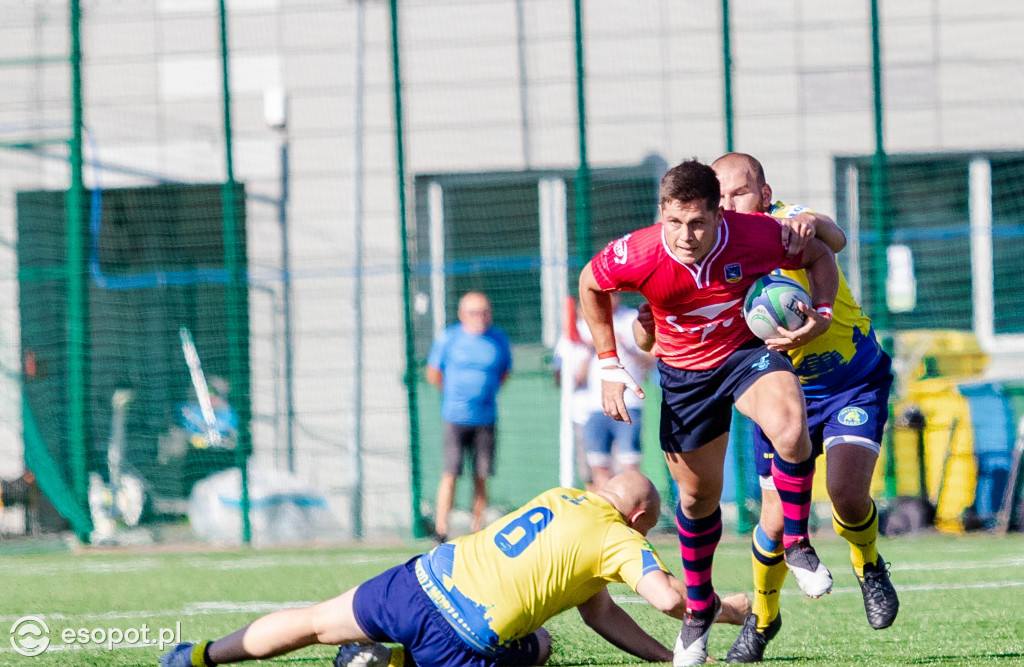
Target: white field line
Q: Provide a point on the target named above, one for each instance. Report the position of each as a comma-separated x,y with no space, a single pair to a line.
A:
915,588
1009,561
200,562
191,609
267,562
225,607
203,609
55,648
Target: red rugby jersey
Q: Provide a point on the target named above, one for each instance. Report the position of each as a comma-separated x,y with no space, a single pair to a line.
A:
696,307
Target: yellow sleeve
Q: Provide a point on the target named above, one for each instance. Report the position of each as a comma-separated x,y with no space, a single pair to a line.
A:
628,556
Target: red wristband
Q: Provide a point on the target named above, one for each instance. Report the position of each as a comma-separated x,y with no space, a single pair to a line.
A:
824,309
605,355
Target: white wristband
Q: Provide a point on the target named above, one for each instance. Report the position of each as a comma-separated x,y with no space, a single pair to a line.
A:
612,371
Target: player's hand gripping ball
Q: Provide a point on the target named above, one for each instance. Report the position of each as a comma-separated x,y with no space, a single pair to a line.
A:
771,302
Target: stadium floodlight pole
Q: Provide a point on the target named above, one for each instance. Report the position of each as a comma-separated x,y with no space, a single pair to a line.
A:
418,529
880,211
235,285
79,429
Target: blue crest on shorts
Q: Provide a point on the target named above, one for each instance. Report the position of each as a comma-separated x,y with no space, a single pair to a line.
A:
852,417
733,273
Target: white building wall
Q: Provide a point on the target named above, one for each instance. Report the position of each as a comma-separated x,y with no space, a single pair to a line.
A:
954,79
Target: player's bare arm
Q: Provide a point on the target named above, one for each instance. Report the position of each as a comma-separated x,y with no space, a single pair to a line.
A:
619,629
667,594
643,327
801,228
823,277
598,312
434,376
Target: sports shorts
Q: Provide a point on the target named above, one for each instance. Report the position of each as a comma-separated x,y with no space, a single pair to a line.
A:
604,436
583,470
855,414
696,406
478,440
392,607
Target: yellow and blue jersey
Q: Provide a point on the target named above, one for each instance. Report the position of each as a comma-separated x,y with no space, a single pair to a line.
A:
845,353
554,553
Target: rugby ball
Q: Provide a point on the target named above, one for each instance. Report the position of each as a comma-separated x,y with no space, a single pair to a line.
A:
771,302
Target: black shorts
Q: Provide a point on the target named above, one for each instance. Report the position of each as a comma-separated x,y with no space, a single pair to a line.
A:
477,439
696,406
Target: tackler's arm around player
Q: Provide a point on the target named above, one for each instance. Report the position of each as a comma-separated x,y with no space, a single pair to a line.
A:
618,628
598,312
823,278
665,593
798,230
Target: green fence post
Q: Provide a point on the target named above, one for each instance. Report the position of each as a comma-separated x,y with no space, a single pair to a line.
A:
418,528
79,430
236,284
582,185
727,75
880,210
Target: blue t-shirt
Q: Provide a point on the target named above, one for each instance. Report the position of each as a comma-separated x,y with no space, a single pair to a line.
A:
472,367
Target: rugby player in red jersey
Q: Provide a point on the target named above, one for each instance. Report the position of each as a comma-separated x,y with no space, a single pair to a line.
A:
694,267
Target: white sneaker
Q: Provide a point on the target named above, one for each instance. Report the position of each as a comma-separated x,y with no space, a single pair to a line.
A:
811,574
363,655
692,643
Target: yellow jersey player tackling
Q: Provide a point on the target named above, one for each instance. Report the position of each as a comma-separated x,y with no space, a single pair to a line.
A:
553,554
481,600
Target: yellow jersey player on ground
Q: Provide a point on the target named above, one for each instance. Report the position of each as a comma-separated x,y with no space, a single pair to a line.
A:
846,378
482,599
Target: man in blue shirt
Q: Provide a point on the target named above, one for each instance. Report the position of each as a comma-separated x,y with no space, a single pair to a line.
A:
469,362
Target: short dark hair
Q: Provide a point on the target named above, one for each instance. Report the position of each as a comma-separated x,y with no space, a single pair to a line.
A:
690,181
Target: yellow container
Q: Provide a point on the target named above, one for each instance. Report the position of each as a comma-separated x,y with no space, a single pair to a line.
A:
939,353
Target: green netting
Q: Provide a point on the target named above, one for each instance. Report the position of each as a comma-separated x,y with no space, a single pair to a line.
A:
490,97
156,265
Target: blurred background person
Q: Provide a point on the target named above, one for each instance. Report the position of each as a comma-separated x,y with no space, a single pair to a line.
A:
614,446
469,363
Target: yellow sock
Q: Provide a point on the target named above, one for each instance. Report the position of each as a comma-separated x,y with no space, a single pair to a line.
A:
397,657
198,655
862,536
769,573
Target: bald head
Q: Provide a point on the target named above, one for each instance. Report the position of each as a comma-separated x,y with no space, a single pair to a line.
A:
743,184
636,499
475,312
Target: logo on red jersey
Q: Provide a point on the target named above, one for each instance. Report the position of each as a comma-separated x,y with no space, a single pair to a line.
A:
709,313
621,250
733,273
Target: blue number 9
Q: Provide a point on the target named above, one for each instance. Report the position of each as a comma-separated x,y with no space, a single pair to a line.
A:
521,532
